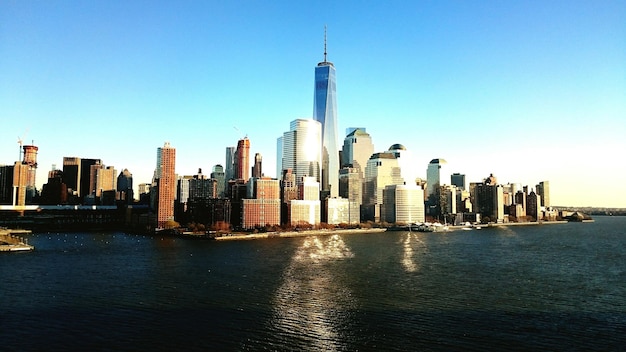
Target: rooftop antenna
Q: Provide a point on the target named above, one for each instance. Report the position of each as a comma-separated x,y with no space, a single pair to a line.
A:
324,43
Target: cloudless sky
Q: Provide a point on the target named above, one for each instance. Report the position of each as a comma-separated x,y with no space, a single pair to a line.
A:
526,90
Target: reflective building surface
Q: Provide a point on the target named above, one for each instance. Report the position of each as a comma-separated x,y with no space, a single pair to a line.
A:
325,111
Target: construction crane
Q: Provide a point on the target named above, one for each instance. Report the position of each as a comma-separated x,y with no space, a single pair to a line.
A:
20,141
240,134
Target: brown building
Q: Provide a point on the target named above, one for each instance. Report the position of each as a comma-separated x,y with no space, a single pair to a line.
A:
263,207
242,159
166,182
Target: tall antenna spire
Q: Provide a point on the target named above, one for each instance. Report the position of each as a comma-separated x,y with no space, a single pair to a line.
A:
325,62
324,43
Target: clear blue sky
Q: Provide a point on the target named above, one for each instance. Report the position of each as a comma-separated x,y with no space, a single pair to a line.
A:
527,90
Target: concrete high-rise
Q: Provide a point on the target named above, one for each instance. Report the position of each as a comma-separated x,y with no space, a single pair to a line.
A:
257,170
20,183
325,111
357,149
262,208
30,159
105,180
301,150
382,170
166,182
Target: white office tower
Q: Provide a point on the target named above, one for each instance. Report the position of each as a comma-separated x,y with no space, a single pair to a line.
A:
403,204
382,170
408,166
302,149
306,209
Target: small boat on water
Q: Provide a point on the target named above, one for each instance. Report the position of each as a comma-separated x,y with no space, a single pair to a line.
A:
468,227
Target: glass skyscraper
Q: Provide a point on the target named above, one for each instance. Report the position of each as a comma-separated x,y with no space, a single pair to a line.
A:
301,149
325,111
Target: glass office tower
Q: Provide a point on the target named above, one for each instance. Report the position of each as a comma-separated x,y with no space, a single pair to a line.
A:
325,111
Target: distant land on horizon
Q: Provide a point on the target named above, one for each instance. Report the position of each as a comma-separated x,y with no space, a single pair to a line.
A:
595,210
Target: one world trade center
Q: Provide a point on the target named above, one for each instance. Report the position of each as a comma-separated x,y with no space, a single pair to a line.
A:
325,111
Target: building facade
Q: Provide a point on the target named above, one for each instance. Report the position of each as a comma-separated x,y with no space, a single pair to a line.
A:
437,175
166,184
219,175
302,149
543,189
382,170
357,149
125,187
403,204
263,206
257,170
342,211
351,182
242,159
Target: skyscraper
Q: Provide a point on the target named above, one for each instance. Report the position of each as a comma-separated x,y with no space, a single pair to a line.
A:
71,174
105,180
325,111
242,159
403,204
382,170
257,170
166,183
543,189
437,175
357,149
458,180
302,149
30,159
229,171
263,206
125,186
218,174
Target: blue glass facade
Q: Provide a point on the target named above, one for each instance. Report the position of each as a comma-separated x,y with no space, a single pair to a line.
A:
325,111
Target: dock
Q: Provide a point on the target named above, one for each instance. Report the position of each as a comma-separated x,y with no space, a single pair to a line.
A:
11,241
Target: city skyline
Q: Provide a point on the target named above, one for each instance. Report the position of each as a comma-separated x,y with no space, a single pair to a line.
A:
528,92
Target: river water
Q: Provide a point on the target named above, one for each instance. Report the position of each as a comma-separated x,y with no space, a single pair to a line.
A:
547,287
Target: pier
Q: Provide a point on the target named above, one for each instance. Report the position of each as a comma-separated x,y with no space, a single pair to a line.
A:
10,241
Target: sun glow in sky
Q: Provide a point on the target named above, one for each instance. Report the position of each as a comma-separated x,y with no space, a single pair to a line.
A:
526,90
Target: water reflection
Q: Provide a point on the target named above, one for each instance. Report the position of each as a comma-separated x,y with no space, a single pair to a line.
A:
311,306
410,245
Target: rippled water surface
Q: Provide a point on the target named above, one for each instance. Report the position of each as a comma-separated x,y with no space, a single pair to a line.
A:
549,287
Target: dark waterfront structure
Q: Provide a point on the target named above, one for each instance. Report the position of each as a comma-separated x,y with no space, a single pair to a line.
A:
125,187
6,184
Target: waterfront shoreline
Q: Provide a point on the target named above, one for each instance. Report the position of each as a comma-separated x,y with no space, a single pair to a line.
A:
10,242
290,234
328,232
